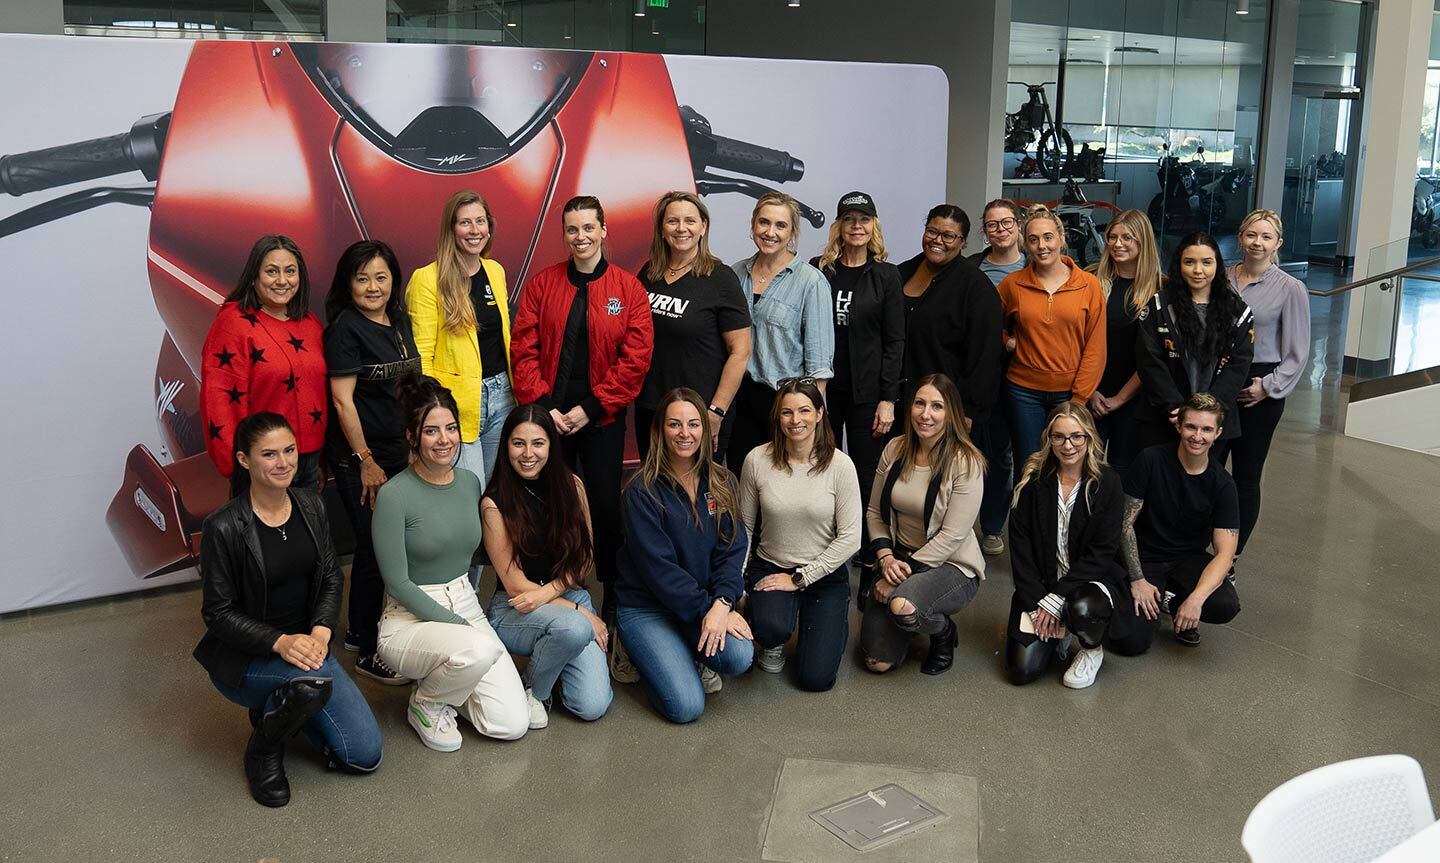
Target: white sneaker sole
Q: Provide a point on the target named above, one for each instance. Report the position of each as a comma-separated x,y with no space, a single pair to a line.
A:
428,739
1081,685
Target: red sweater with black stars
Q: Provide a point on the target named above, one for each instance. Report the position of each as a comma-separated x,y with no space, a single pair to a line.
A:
253,362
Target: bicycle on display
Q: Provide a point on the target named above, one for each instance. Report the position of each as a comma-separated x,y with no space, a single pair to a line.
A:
1055,149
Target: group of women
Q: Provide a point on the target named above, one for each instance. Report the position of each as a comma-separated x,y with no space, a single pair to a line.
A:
792,418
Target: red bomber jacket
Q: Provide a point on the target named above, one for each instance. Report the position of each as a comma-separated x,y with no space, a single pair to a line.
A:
621,336
252,363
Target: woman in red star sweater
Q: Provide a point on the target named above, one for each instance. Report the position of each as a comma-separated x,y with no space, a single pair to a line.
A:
264,353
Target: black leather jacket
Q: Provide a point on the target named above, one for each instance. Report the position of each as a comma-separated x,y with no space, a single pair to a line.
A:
232,580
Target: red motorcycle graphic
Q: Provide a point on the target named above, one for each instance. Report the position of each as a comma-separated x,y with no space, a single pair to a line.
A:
331,143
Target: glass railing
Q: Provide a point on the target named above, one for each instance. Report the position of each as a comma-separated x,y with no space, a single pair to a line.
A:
1393,315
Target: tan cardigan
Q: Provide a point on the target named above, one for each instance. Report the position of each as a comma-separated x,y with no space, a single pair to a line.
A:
951,527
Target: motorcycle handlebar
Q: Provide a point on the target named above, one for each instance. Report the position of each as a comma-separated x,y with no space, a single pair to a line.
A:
755,160
136,150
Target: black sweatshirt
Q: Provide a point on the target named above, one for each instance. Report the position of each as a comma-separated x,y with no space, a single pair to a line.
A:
955,329
1160,356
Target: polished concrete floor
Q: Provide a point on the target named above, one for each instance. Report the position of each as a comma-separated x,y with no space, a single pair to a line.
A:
115,747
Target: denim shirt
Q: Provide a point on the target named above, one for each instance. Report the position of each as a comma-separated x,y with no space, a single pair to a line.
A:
793,333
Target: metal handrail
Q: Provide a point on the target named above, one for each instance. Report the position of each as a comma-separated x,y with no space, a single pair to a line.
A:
1382,277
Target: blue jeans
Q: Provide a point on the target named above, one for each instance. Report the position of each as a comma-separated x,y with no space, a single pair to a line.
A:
1027,410
345,730
662,647
823,610
992,436
561,645
496,403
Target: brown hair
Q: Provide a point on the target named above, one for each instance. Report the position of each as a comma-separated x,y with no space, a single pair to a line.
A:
954,445
780,199
452,284
824,449
1202,403
656,465
705,261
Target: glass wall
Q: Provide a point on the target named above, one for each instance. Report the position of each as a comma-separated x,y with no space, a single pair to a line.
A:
1160,101
197,19
654,26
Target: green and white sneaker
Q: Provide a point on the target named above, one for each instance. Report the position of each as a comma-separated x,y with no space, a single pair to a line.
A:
435,722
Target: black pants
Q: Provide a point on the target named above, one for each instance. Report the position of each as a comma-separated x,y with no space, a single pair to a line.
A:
597,454
1248,452
851,423
1088,613
823,613
645,417
1131,634
367,590
751,409
1120,432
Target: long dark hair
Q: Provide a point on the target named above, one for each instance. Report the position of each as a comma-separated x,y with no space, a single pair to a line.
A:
824,448
419,395
954,446
1197,339
563,534
247,432
351,260
244,292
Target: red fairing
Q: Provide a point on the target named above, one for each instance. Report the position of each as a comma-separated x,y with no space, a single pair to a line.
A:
252,363
621,336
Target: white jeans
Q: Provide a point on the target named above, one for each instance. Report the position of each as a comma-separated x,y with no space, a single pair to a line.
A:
464,666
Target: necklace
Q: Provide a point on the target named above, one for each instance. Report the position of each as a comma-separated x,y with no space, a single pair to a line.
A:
283,536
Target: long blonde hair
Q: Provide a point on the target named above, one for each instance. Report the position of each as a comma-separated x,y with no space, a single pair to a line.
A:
1147,281
660,253
452,283
1273,218
657,463
954,445
780,199
1044,460
834,245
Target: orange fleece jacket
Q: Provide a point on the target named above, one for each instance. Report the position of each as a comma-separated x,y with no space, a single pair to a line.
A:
1059,339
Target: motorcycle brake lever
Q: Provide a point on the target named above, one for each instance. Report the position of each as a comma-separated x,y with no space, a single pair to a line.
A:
75,202
707,184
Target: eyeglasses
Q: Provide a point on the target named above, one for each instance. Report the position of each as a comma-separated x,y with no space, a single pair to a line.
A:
947,237
999,225
1077,439
785,382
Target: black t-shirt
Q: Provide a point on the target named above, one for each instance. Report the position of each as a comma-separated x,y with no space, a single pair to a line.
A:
572,372
537,563
377,356
1181,511
289,556
1121,330
489,330
690,318
843,281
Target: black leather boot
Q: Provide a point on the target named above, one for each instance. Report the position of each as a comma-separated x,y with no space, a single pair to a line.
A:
296,703
942,650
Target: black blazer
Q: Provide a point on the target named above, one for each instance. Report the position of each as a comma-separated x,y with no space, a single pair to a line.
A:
232,582
1160,360
956,330
1093,540
876,332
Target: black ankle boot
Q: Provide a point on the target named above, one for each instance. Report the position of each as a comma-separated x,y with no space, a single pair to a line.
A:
942,650
296,703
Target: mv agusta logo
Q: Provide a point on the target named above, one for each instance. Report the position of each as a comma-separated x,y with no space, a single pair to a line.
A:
614,307
445,161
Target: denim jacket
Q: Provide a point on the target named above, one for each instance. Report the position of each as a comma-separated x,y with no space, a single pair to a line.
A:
793,333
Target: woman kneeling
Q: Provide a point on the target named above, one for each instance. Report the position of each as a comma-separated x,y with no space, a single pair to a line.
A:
538,535
1064,537
680,566
272,588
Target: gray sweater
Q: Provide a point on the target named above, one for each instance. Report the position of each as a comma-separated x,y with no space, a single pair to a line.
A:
807,521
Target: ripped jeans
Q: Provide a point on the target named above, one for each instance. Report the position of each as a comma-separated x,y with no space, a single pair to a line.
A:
936,593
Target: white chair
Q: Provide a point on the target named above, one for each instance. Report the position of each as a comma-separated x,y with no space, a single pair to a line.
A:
1350,812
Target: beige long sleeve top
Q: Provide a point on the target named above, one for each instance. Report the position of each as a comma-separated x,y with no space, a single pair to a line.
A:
809,522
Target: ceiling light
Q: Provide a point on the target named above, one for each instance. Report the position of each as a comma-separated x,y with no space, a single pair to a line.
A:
794,4
1242,7
639,8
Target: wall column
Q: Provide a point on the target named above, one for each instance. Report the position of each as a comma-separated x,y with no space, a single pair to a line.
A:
355,20
40,17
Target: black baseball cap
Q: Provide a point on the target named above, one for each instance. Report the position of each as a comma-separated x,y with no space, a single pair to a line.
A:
858,202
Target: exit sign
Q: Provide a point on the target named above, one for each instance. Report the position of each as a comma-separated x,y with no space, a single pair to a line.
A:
658,4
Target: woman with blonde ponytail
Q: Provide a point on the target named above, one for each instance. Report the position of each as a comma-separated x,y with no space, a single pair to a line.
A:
1281,307
461,316
1130,275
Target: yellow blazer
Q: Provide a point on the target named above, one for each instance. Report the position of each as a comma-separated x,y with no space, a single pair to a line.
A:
454,358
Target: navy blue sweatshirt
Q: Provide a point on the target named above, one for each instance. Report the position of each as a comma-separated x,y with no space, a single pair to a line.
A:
668,561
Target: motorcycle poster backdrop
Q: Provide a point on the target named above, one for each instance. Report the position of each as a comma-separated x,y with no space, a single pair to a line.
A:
137,173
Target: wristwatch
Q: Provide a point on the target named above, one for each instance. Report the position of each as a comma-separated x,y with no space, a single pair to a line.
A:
727,603
717,411
361,456
796,579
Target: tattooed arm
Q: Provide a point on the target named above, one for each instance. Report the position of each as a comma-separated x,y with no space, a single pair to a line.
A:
1144,594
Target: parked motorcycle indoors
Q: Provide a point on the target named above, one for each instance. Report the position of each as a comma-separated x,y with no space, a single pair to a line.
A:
1425,211
1193,194
1054,150
331,143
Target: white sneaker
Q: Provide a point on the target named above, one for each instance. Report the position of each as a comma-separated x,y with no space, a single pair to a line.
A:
992,544
435,723
709,680
771,659
620,666
538,717
1085,668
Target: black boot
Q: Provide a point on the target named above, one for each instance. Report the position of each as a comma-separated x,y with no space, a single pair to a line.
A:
296,703
942,650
